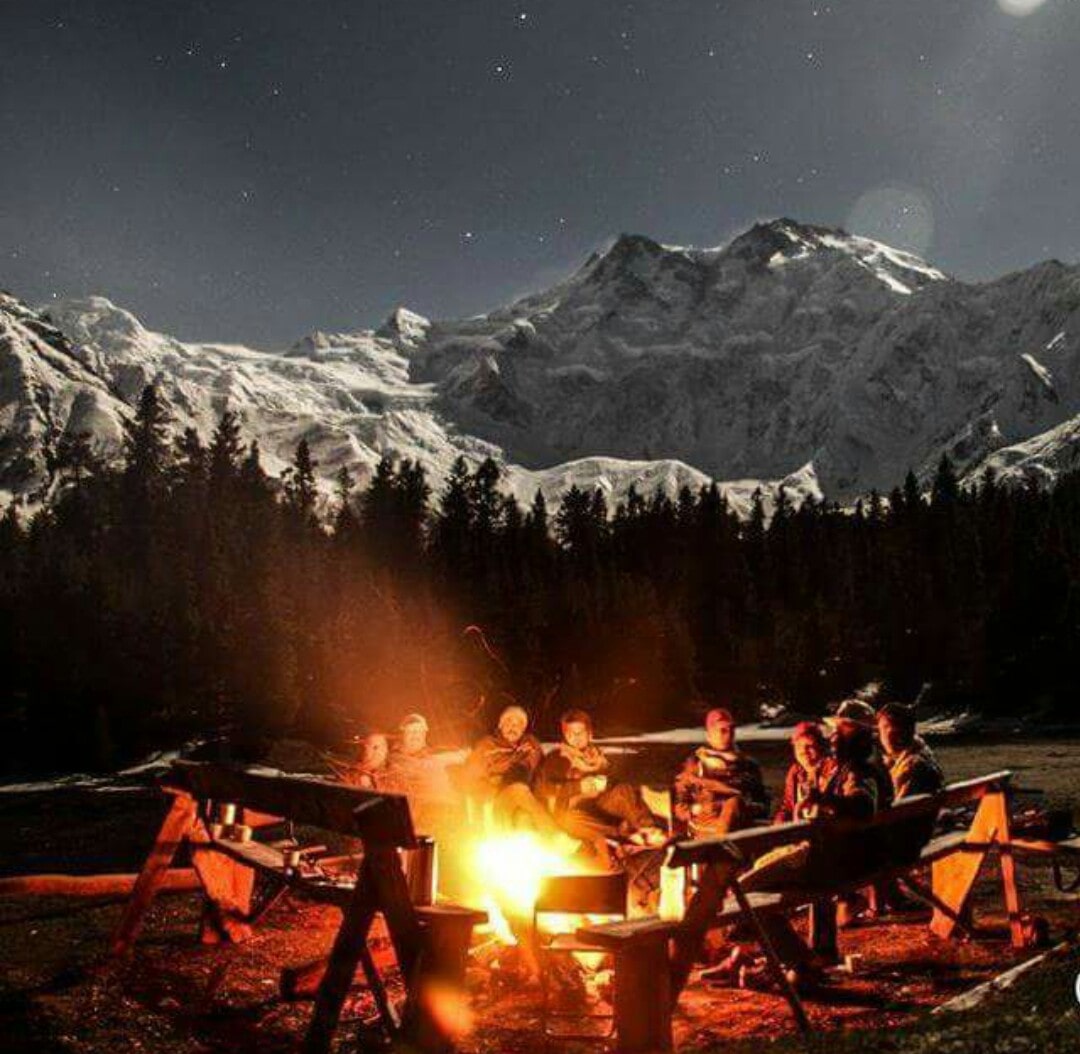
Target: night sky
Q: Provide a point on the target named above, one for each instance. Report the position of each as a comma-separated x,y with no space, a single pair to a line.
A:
252,169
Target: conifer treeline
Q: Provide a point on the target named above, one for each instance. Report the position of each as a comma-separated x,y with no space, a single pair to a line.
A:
186,591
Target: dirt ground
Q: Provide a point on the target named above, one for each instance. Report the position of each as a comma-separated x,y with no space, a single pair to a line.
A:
58,993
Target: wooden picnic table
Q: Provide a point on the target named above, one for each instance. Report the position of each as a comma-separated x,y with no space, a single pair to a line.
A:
430,942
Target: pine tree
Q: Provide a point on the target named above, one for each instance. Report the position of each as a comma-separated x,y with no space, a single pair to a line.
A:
254,482
301,491
146,443
226,451
192,461
346,526
912,494
455,521
537,518
946,488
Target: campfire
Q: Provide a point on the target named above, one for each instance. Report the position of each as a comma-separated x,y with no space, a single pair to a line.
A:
509,871
508,874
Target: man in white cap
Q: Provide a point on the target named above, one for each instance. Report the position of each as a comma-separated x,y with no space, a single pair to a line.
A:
413,736
413,770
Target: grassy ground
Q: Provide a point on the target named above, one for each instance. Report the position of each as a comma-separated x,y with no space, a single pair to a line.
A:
1037,1015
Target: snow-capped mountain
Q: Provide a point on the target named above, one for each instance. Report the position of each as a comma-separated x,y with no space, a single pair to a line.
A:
800,355
792,344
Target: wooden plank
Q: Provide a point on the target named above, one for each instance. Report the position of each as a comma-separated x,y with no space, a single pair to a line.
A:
432,914
748,843
257,855
177,825
177,879
998,806
971,790
943,845
382,871
373,817
614,935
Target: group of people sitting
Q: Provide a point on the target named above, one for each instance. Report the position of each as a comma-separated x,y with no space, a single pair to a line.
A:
850,766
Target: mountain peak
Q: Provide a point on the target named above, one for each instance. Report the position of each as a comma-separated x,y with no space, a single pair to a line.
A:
96,320
405,328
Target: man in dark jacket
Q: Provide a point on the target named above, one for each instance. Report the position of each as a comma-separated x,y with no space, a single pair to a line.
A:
719,787
855,719
576,779
500,768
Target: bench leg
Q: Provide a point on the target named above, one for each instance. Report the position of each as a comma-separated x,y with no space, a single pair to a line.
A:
643,998
1007,863
776,967
928,897
437,1008
340,970
953,877
228,885
823,929
177,826
700,916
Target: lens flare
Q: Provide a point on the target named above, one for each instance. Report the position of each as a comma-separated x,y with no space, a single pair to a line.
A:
900,216
1020,8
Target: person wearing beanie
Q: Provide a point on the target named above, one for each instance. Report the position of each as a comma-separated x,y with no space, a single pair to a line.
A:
855,720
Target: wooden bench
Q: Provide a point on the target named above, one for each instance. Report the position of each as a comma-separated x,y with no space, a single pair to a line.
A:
646,948
430,943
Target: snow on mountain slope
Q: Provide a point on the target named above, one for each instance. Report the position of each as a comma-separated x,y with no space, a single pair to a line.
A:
348,395
46,393
615,478
790,346
1041,459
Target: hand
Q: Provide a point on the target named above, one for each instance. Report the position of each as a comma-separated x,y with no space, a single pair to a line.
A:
593,785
